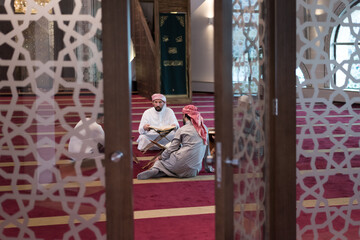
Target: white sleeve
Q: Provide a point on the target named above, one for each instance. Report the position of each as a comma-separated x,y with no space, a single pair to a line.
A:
99,135
144,120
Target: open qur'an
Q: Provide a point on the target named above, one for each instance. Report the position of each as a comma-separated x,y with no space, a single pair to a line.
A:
161,129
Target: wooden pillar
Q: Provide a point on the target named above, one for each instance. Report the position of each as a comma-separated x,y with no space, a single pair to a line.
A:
281,98
117,109
224,119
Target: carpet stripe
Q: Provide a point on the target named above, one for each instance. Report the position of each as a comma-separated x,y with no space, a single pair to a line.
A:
163,180
59,162
172,212
325,125
330,202
207,109
144,214
63,133
145,105
4,148
66,102
137,114
31,163
133,121
332,150
134,95
138,121
171,180
138,117
99,184
330,172
336,135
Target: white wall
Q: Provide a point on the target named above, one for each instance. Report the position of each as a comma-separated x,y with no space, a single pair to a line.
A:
202,46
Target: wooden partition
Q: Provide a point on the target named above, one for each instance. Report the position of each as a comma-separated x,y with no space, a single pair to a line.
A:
148,51
117,110
146,60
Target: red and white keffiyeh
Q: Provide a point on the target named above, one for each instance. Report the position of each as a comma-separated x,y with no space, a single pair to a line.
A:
196,120
159,97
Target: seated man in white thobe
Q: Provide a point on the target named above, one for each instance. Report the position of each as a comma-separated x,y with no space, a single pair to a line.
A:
183,158
158,116
88,140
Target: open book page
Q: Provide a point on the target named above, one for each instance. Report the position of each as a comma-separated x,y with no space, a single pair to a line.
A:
164,128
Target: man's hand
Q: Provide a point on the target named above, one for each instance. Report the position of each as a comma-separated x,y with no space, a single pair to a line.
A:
157,158
146,127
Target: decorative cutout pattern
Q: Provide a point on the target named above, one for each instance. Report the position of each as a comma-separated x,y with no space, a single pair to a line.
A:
249,140
327,128
49,59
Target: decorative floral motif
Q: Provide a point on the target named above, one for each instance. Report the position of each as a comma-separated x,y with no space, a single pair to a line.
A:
162,20
181,20
35,61
320,168
249,139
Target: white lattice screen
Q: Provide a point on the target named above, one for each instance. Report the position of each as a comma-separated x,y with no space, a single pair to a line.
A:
249,138
328,130
51,77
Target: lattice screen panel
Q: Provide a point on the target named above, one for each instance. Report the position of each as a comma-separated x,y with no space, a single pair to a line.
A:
50,78
328,133
249,139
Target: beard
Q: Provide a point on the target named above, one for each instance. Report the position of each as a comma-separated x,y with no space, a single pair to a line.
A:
158,108
184,122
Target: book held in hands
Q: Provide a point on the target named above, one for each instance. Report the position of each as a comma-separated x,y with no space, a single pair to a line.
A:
162,129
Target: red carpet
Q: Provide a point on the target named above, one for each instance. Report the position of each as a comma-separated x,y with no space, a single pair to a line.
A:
155,196
174,195
201,227
147,196
327,172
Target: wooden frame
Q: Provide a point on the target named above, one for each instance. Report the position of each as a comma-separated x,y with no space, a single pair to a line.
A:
223,119
280,70
179,98
117,109
281,131
166,6
148,77
280,174
146,52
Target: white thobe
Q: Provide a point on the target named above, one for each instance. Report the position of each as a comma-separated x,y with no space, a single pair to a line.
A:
160,119
83,144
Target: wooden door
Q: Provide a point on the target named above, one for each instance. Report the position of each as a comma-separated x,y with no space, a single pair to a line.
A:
173,54
255,146
51,81
117,108
223,119
277,207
